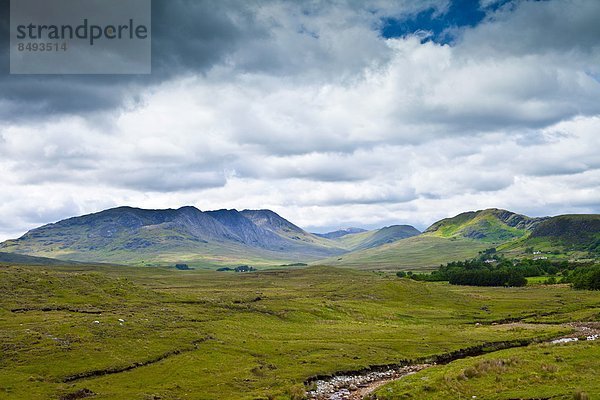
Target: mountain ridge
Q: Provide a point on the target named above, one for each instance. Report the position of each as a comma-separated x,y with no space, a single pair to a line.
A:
129,235
377,237
135,235
107,234
341,232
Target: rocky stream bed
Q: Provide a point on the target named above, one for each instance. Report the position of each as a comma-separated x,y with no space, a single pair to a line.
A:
355,385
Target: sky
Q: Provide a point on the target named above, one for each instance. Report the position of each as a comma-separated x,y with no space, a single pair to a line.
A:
332,113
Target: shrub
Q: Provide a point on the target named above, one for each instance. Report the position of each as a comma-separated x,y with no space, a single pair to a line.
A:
471,372
296,392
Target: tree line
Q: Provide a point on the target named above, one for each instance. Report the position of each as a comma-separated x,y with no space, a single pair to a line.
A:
492,269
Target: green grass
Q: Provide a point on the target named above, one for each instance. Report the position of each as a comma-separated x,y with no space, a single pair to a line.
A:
540,280
20,259
539,371
243,336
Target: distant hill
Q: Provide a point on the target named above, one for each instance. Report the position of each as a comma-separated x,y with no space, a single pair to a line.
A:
341,232
378,237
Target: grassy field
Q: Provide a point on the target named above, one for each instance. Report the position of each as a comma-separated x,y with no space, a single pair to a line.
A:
207,335
540,280
197,255
544,371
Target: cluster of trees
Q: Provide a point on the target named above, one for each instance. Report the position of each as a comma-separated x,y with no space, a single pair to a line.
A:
585,278
478,272
487,277
491,269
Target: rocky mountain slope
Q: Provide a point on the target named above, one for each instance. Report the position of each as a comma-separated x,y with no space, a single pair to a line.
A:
134,235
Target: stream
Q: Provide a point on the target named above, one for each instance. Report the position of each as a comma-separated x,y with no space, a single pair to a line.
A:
355,385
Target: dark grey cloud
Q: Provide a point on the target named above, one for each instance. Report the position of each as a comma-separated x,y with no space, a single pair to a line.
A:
321,40
188,37
533,27
192,36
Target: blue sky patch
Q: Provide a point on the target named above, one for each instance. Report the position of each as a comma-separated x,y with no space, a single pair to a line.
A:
461,13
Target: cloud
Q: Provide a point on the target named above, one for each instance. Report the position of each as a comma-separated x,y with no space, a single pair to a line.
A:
193,37
305,108
567,27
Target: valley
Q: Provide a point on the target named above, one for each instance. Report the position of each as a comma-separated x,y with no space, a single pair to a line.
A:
138,333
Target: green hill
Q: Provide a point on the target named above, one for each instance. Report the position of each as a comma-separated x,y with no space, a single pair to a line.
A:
491,225
576,235
580,232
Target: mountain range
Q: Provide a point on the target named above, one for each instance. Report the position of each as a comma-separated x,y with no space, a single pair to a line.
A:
136,236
